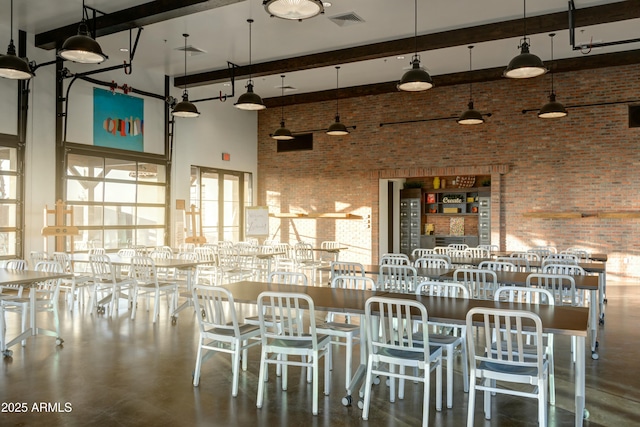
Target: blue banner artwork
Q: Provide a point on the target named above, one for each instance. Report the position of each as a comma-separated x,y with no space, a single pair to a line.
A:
118,120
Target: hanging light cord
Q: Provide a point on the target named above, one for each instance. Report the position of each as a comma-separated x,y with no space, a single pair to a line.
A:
415,26
551,72
337,87
250,21
470,82
524,20
282,101
11,22
185,63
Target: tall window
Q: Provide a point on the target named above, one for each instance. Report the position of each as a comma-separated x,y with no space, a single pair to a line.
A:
10,195
221,196
116,202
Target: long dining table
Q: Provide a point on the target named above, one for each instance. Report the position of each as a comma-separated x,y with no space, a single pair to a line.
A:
561,320
589,284
27,279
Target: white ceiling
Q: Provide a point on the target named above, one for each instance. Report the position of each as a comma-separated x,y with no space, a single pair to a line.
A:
223,34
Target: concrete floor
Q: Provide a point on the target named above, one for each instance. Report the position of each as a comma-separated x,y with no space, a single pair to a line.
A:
118,372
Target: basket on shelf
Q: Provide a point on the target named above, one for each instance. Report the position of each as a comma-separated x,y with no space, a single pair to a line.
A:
465,181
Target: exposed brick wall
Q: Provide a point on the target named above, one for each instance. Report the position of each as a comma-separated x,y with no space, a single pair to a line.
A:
588,162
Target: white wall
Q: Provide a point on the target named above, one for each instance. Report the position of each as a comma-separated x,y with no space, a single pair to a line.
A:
220,128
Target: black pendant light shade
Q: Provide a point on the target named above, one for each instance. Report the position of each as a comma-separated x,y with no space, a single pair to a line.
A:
416,79
471,116
82,47
11,66
250,100
282,133
525,65
185,108
337,128
552,109
293,9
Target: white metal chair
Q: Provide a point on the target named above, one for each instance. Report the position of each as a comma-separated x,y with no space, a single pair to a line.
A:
397,278
448,336
521,264
482,283
143,272
331,251
75,286
219,335
570,270
395,259
342,268
458,246
291,340
36,256
432,262
347,330
498,362
498,265
490,248
13,302
580,252
305,260
421,252
478,252
391,345
106,284
529,295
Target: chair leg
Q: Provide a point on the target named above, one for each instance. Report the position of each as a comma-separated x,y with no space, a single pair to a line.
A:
348,362
156,305
465,367
134,305
196,373
315,367
438,385
449,376
425,400
471,404
235,367
261,378
487,400
367,389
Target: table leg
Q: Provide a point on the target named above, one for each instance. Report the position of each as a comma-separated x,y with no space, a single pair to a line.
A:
602,292
593,323
581,411
32,310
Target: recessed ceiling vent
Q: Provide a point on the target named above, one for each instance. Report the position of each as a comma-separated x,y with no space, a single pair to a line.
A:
349,18
191,50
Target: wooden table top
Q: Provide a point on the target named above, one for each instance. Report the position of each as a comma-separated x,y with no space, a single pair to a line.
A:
163,263
519,278
26,277
590,267
555,319
594,257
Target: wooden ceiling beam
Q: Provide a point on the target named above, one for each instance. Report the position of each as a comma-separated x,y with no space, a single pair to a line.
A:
477,76
133,17
602,14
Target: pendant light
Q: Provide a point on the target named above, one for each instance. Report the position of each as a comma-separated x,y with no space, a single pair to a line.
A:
11,66
282,133
525,65
293,9
552,109
250,101
337,128
416,79
185,108
82,47
471,116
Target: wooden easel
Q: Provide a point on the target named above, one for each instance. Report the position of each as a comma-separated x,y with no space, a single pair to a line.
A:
60,228
194,231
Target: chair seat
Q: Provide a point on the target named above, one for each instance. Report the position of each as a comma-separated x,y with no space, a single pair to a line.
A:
509,369
300,344
337,327
439,339
409,355
244,330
